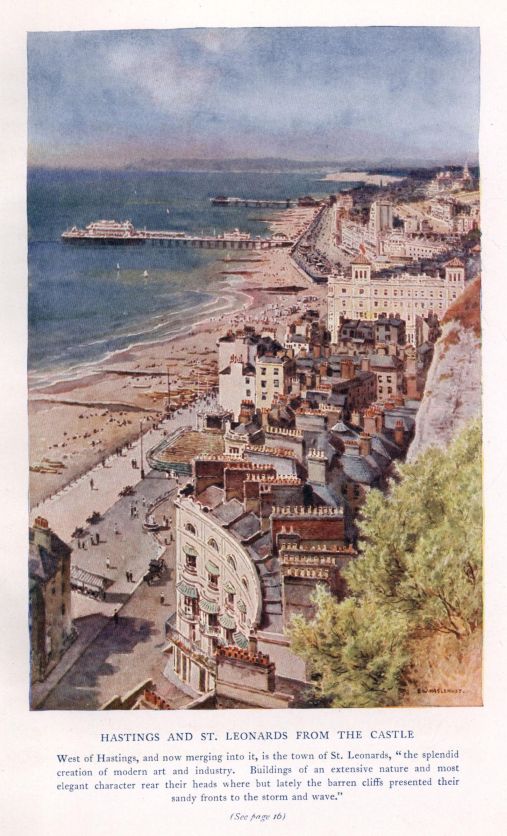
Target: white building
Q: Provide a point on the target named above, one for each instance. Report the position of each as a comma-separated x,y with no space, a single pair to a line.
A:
363,296
218,593
236,383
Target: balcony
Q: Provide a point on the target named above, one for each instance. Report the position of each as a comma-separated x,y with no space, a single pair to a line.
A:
189,646
188,615
189,569
208,629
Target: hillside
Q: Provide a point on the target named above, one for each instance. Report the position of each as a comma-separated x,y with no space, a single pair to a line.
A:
445,671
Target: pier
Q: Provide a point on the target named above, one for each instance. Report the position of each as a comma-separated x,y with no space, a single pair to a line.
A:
256,203
124,233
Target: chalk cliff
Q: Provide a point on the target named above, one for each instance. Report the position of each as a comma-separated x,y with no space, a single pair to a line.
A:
452,396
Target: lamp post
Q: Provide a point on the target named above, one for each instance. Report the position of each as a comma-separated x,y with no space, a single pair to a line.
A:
168,406
142,460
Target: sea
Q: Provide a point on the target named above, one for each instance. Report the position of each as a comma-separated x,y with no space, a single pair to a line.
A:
85,303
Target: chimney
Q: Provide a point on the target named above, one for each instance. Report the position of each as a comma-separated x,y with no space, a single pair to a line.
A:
247,411
365,444
252,643
369,422
365,364
264,417
42,533
347,368
355,418
379,420
316,464
399,433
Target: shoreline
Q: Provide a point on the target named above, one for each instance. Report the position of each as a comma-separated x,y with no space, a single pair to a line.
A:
81,371
361,177
82,419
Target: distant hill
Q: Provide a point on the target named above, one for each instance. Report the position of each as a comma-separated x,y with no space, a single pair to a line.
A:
267,164
278,164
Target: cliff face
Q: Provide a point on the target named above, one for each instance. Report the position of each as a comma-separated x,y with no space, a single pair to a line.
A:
452,396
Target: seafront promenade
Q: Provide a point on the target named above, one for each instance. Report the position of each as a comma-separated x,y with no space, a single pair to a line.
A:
124,546
69,508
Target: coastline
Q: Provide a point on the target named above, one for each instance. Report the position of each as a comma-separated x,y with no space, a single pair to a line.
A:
361,177
80,419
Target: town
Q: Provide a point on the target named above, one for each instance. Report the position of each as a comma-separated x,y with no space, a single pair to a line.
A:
167,575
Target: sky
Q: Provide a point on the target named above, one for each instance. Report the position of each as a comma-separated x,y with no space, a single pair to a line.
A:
111,98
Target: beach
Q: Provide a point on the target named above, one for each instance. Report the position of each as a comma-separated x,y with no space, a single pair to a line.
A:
78,421
362,177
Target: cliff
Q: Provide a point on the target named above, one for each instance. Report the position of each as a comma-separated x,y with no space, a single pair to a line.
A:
452,396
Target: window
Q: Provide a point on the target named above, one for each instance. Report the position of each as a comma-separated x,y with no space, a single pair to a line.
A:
263,369
263,384
191,563
247,381
276,384
244,582
212,619
189,606
213,580
230,598
190,527
275,371
231,561
213,543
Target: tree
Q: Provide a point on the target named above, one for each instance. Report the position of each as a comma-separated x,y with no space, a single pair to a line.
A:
420,571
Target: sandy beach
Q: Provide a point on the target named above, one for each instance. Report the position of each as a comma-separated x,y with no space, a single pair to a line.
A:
362,177
76,423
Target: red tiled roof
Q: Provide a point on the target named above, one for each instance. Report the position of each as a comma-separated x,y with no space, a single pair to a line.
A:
361,259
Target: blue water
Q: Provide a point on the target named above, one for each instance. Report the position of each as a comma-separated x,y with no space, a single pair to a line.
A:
80,307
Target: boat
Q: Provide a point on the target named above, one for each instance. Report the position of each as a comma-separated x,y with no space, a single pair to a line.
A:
145,274
117,266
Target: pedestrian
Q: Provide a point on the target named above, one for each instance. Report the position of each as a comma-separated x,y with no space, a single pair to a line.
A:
91,484
162,598
127,575
108,563
97,538
115,616
116,529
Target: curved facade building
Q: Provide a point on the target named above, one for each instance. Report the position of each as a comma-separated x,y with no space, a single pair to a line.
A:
219,597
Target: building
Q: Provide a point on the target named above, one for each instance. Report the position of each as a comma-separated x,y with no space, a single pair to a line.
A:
359,295
381,218
390,330
273,378
51,628
236,383
388,370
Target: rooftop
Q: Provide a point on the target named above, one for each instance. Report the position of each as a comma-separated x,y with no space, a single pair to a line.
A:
192,444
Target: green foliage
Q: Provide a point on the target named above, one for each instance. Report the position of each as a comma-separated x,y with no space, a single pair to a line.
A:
420,571
355,653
